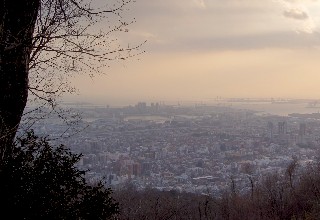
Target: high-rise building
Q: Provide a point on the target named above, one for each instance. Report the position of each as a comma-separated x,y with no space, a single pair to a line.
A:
136,169
270,130
282,127
302,129
302,133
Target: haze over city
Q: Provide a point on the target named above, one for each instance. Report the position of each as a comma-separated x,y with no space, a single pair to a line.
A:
198,50
160,109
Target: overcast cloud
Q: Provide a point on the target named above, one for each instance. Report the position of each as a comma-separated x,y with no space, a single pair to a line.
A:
199,49
191,24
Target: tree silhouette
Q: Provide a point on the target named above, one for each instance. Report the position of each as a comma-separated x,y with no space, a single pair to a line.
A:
43,42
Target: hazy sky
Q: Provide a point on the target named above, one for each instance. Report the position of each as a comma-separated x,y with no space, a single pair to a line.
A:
200,49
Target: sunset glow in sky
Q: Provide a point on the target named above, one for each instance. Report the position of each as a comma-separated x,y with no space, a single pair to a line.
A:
197,50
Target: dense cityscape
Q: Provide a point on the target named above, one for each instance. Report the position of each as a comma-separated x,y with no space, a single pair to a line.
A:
199,149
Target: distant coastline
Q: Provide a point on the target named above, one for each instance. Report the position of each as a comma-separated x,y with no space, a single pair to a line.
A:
281,107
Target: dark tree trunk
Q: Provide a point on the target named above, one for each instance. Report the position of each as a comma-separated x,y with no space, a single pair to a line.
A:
16,30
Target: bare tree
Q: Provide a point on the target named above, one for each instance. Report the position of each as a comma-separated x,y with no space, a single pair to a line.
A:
16,32
43,42
248,169
291,171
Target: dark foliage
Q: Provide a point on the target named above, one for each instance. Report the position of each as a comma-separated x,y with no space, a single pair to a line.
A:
289,195
39,181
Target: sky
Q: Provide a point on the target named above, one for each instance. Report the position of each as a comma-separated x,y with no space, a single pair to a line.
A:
198,50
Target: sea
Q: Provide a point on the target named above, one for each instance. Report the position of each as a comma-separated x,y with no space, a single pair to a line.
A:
281,109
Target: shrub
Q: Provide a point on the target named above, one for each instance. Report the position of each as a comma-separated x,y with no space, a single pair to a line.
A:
39,181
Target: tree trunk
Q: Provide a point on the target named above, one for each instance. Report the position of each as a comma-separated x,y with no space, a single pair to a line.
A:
17,24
